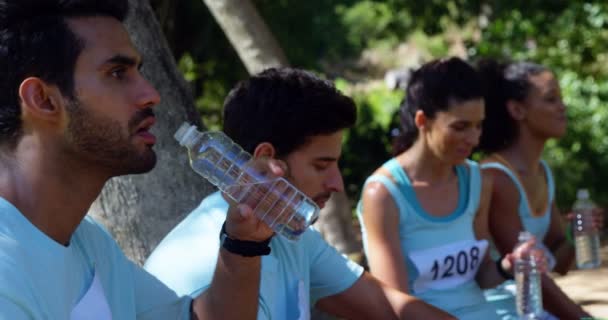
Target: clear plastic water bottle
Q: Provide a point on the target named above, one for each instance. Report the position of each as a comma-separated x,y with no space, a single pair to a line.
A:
586,237
226,165
529,298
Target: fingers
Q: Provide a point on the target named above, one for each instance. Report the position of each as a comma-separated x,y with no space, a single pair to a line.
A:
268,167
277,167
245,211
242,224
529,250
570,216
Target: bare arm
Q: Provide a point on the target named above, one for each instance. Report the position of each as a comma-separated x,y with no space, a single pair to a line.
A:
488,275
236,278
368,298
387,263
505,226
381,221
556,241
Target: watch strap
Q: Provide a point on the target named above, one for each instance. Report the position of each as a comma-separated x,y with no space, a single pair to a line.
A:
245,248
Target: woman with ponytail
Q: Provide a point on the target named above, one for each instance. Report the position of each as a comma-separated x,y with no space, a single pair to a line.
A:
424,212
524,109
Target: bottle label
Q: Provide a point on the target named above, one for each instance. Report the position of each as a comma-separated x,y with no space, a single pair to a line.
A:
447,266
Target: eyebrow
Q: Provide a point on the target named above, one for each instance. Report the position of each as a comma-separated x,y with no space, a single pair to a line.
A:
124,60
326,159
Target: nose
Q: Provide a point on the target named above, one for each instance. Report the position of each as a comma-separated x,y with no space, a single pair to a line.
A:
334,181
473,137
147,95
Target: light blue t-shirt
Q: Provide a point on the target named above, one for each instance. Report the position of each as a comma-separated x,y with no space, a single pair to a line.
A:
294,276
41,279
442,253
503,296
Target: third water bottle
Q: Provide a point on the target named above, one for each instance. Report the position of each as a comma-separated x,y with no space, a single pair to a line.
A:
529,298
586,236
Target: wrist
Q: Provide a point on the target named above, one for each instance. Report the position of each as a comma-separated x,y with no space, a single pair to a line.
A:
245,248
501,269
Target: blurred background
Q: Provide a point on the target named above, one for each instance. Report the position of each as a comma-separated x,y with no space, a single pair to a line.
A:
359,43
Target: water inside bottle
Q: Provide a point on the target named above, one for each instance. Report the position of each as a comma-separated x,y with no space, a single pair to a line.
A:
587,248
529,294
275,201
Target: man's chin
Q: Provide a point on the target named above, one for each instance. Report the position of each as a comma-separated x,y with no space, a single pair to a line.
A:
321,203
143,164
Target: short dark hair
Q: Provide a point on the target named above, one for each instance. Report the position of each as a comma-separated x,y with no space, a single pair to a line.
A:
285,107
431,89
35,40
503,82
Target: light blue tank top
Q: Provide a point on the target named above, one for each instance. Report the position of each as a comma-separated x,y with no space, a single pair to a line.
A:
421,232
503,296
537,225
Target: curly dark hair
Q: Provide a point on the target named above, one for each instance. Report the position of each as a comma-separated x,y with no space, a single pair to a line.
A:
285,107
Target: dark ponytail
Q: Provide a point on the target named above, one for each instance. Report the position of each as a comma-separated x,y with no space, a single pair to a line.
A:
503,82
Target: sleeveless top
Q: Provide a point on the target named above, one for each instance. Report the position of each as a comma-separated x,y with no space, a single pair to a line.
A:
442,253
503,296
537,225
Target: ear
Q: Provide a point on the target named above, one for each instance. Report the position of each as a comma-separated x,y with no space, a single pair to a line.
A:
264,149
420,119
40,100
516,109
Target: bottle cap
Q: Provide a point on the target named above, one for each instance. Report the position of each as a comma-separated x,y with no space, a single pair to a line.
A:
184,133
524,236
582,194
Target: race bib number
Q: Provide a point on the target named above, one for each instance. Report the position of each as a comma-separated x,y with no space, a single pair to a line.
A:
447,266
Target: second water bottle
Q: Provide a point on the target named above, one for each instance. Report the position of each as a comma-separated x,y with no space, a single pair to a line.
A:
226,165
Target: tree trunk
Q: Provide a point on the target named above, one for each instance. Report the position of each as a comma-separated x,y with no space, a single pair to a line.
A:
140,209
249,35
336,225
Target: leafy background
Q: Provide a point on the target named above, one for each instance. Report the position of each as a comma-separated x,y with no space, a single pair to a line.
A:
356,42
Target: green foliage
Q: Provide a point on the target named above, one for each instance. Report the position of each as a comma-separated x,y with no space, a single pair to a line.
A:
569,37
368,144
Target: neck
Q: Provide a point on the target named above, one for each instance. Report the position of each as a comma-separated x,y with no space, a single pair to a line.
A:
52,192
525,153
422,165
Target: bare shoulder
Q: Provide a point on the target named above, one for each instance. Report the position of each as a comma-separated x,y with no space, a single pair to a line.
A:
499,182
375,190
377,201
487,181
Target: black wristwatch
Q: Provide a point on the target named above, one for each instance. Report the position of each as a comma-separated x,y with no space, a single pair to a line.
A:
244,248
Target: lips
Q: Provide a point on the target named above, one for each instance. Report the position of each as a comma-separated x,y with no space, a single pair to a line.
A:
142,130
321,200
464,152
